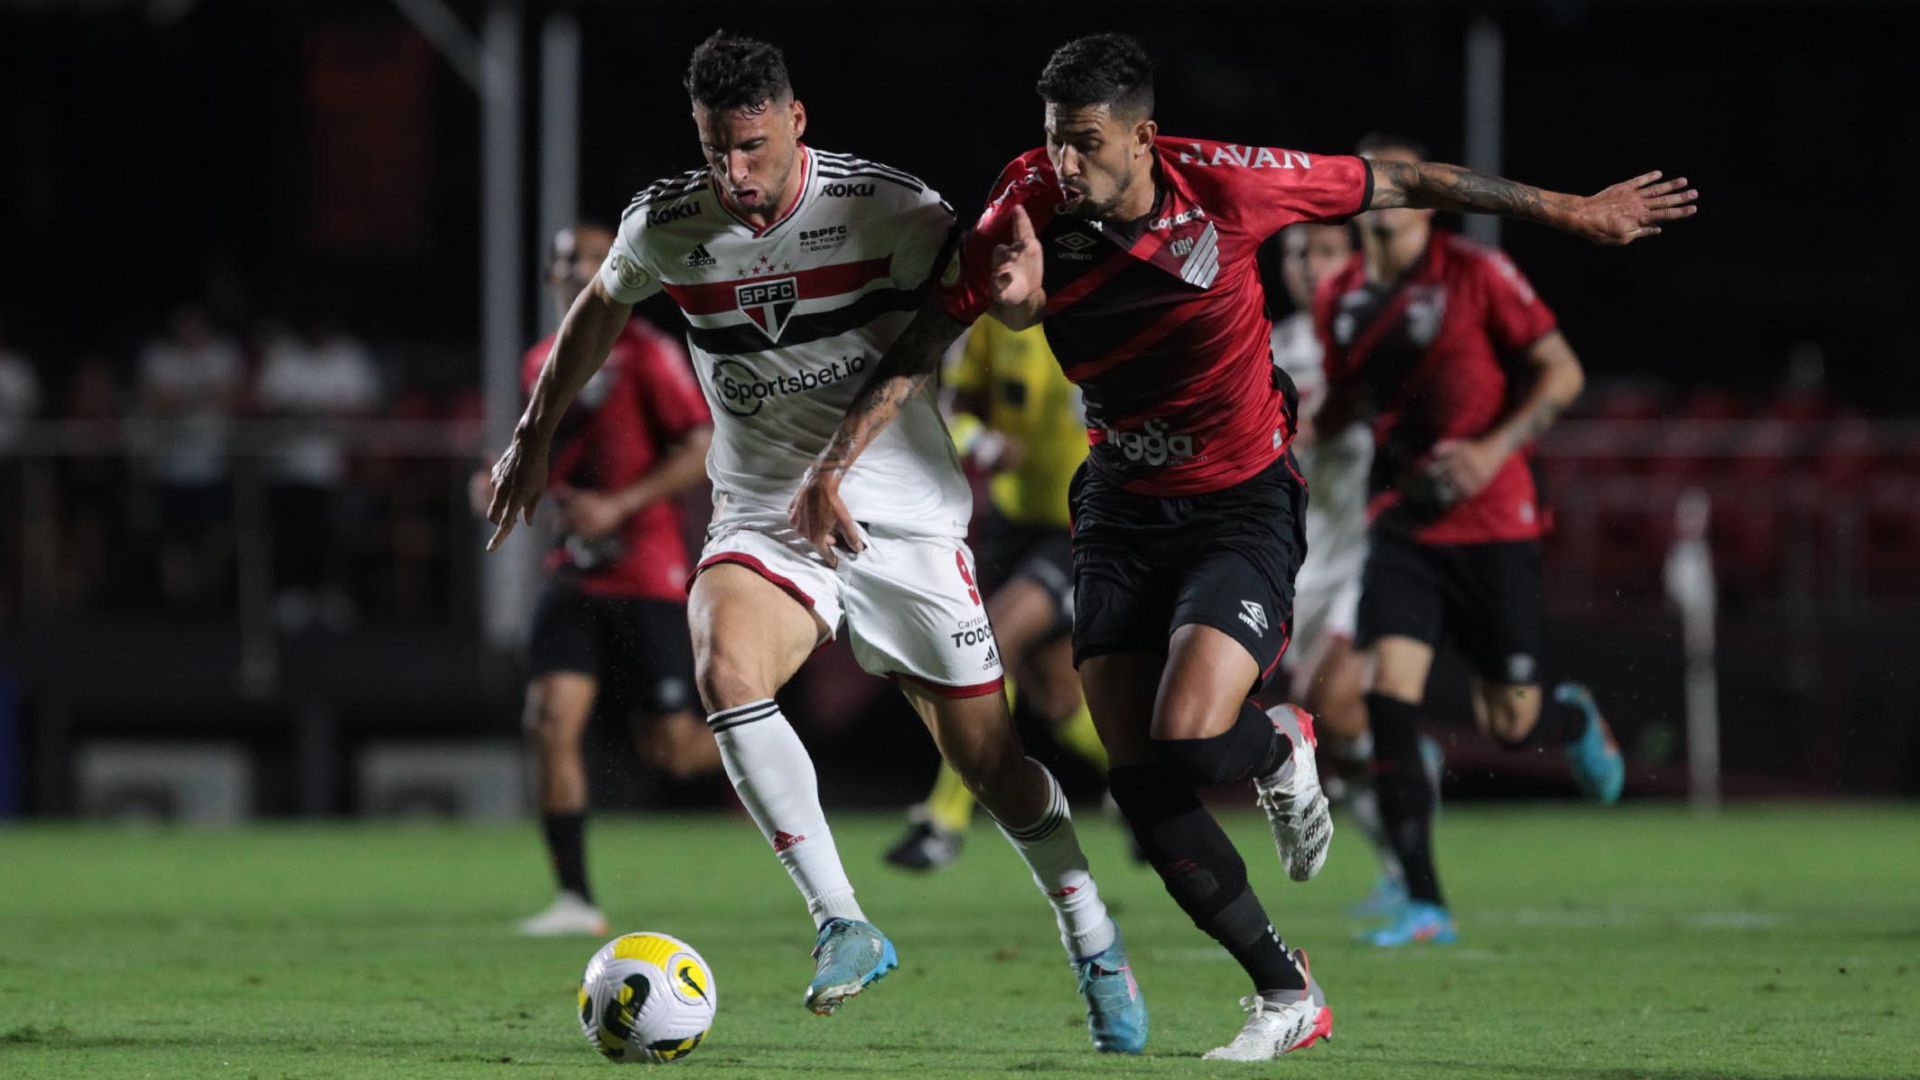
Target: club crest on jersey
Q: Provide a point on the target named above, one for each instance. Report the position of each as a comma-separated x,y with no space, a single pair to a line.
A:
768,303
630,274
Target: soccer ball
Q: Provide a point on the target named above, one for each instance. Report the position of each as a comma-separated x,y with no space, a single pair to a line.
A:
646,998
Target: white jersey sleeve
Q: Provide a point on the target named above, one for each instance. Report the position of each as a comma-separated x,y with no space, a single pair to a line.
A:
928,231
629,274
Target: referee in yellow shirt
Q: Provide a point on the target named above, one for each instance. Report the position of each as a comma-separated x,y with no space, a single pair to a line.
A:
1015,416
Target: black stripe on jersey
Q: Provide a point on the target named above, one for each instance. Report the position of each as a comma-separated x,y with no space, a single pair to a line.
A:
832,169
835,174
846,161
1105,320
801,329
685,184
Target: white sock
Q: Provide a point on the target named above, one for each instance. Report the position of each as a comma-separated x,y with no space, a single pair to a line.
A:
1052,852
774,777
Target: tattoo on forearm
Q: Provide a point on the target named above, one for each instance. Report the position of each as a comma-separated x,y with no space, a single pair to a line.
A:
908,364
1432,185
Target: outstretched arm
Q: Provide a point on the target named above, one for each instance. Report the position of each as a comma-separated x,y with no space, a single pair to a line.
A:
1616,216
817,512
586,334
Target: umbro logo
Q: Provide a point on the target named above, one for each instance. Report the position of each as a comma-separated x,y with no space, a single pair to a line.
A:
1254,616
699,257
1075,241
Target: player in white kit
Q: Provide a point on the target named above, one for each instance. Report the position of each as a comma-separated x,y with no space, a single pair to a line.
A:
796,269
1327,675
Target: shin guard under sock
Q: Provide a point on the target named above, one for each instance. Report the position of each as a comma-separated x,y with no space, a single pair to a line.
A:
1202,872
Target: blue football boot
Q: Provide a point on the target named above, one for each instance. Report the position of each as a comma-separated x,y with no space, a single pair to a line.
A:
1116,1013
1599,771
1416,921
847,956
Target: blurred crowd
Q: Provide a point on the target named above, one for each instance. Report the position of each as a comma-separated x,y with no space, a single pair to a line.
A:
127,480
133,479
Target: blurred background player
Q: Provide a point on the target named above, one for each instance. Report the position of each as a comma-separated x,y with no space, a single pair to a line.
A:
614,609
1464,367
1325,672
1015,416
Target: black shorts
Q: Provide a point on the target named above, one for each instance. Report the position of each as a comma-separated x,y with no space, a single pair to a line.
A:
1145,565
1009,551
1487,598
642,647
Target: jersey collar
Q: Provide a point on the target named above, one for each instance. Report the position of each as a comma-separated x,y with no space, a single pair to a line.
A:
1179,235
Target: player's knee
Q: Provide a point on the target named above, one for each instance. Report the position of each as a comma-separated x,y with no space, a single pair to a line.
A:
1205,762
1400,683
725,682
550,726
1510,713
1184,717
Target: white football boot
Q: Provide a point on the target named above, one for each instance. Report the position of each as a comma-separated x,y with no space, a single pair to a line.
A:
1280,1024
1296,807
568,914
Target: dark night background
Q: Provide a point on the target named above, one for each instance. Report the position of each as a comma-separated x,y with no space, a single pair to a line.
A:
281,160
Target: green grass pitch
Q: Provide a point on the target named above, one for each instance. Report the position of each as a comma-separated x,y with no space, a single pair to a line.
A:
1643,942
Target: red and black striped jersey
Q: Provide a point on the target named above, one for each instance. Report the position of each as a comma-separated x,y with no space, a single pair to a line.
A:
1162,322
1439,353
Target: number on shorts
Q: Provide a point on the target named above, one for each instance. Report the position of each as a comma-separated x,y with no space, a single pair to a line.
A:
973,591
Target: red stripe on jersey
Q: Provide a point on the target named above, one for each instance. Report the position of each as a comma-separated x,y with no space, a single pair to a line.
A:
1146,339
1085,284
712,298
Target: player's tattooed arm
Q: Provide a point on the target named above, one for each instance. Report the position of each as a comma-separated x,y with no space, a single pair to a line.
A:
581,346
1460,468
817,512
1619,215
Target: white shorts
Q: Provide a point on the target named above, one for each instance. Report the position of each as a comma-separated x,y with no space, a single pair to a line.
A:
911,605
1325,607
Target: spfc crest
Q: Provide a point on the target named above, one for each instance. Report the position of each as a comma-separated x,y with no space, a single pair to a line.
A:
768,303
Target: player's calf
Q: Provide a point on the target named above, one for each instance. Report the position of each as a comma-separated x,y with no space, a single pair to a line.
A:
1202,872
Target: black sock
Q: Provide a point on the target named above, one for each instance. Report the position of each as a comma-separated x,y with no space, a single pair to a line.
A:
1405,795
566,843
1252,747
1558,725
1202,872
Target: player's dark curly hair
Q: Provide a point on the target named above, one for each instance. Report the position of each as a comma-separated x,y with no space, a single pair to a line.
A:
731,72
1100,69
1376,141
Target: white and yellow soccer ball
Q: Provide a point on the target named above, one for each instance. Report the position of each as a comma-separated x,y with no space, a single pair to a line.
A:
646,998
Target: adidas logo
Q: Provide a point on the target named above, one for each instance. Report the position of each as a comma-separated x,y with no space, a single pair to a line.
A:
784,840
699,257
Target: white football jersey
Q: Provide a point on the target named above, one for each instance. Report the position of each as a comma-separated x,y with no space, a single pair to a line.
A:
787,323
1336,472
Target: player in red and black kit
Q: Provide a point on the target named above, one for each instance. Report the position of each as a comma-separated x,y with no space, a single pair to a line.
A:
614,609
1464,366
1136,251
